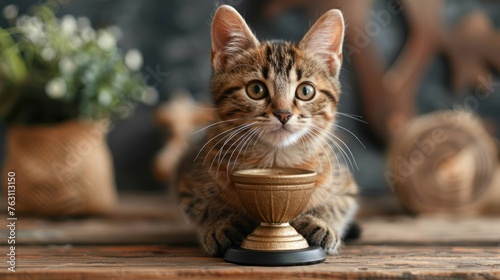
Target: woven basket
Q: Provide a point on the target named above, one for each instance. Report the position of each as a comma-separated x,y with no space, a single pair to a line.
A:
63,169
443,162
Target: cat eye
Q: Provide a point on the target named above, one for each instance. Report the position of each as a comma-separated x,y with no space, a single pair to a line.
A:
257,90
305,92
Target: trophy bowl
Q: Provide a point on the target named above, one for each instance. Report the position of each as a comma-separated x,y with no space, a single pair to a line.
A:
274,197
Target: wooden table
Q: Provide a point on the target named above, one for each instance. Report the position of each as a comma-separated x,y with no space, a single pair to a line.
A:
147,238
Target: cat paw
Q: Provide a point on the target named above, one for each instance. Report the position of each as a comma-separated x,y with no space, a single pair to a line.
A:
317,233
218,237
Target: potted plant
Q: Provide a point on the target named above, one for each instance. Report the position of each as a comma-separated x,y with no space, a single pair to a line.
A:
61,85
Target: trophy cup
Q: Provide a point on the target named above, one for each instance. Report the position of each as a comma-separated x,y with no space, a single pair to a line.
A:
274,197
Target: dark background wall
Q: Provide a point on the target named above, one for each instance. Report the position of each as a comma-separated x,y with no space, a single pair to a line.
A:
174,37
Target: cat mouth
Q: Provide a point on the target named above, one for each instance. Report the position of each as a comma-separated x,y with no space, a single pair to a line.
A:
281,132
282,129
282,136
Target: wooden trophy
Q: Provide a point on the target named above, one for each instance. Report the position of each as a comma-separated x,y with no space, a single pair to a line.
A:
274,197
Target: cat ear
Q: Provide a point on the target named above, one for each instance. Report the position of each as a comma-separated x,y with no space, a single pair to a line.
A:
230,35
325,38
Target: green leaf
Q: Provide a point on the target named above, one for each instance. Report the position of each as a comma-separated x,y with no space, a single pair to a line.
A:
10,54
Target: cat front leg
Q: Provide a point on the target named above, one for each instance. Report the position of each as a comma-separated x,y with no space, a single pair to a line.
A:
220,232
218,226
325,225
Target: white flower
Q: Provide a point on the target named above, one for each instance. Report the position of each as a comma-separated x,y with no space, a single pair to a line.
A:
133,59
10,11
120,78
150,96
48,54
106,40
38,38
104,97
68,25
76,42
56,88
22,21
36,24
87,34
67,66
33,29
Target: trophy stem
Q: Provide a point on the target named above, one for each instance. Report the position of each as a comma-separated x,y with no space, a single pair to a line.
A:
274,237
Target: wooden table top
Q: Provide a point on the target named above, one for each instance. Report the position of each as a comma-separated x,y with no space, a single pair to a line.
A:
161,262
148,239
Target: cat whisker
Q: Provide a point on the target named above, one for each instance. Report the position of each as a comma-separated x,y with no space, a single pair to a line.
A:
341,127
354,117
305,145
238,141
351,115
310,138
207,107
213,124
257,140
334,154
304,140
252,133
213,138
250,139
228,138
342,151
254,138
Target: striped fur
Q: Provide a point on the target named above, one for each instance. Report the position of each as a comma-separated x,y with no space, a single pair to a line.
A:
249,135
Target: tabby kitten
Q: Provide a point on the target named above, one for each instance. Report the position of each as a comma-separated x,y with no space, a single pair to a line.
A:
275,102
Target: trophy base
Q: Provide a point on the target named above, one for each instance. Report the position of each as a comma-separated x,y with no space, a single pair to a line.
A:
310,255
274,237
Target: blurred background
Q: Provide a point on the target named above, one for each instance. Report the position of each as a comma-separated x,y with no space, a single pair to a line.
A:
403,60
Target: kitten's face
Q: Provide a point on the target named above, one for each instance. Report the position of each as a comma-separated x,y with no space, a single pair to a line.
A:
283,91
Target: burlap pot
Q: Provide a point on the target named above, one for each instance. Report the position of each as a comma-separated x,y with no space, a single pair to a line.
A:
63,169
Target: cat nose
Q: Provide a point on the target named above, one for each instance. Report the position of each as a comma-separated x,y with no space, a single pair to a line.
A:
283,116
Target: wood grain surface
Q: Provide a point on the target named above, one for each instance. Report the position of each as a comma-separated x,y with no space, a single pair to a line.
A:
162,262
147,238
